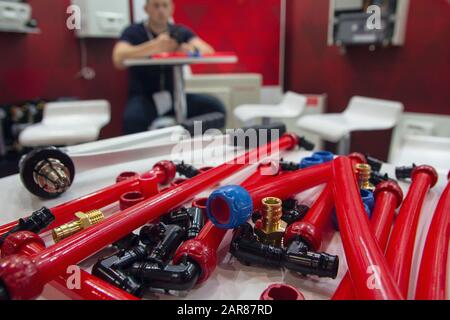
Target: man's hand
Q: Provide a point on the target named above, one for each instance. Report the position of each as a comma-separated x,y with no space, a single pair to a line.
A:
186,48
166,43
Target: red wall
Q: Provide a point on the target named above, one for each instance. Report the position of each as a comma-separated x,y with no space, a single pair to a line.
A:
251,28
417,74
45,65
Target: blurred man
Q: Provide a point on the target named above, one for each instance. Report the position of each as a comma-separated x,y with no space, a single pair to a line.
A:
150,92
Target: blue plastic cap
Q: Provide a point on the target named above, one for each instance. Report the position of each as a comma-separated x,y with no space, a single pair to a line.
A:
229,207
309,162
325,156
368,198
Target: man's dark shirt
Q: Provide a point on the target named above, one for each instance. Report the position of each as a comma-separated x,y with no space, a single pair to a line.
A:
147,80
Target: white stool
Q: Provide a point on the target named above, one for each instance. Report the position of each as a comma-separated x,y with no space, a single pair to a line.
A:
292,106
362,114
68,123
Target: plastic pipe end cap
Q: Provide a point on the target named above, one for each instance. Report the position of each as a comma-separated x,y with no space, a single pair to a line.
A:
325,156
310,162
430,171
281,292
392,187
358,157
229,207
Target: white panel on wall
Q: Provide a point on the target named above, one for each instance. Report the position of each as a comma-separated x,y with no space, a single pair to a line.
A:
103,18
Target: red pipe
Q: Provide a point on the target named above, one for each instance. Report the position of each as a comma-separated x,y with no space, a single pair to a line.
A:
264,172
163,172
433,271
90,288
54,260
389,196
362,251
400,249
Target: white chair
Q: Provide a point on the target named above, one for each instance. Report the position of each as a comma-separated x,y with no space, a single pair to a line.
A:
68,123
362,114
292,106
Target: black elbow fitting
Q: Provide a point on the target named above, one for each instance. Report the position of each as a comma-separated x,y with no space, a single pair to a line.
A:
129,257
296,257
305,144
163,252
187,170
289,166
4,296
179,217
104,270
374,163
128,242
37,222
151,234
293,215
181,277
376,178
197,221
403,173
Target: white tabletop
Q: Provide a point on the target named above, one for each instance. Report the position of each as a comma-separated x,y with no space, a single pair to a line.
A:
181,61
231,280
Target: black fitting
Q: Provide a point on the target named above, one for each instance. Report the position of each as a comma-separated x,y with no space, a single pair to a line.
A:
197,221
256,215
289,204
305,144
403,173
151,234
128,242
376,178
127,258
163,252
289,166
296,257
37,222
187,170
179,217
181,277
374,163
104,270
293,215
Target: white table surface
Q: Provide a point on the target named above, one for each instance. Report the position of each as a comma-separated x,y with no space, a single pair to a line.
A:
180,61
231,280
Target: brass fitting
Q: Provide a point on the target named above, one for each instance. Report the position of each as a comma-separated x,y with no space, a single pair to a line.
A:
85,220
363,173
271,228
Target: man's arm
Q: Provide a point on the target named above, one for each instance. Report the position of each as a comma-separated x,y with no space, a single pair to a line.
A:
201,45
123,50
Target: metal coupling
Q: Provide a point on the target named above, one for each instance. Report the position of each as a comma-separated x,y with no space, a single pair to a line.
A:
85,220
364,173
270,229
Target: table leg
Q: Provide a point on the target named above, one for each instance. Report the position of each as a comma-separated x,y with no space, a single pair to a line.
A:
180,103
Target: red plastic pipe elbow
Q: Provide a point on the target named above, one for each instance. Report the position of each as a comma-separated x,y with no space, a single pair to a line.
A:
42,267
400,249
90,288
431,284
388,197
369,271
203,250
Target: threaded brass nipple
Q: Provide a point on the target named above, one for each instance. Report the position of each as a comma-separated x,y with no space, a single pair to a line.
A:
85,220
363,173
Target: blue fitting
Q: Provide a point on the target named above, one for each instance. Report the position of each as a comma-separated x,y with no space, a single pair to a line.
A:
309,162
229,207
325,156
368,198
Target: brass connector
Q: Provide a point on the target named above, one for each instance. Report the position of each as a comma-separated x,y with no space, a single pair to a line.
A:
272,228
363,173
85,220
